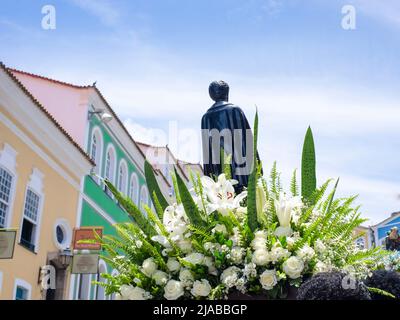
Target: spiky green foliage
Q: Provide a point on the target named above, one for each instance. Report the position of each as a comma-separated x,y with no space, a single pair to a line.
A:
153,186
132,210
190,206
294,188
176,189
308,175
252,184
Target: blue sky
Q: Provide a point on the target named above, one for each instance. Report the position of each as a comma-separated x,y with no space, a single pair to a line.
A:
153,60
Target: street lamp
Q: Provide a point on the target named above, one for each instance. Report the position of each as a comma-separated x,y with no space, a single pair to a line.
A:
65,257
104,116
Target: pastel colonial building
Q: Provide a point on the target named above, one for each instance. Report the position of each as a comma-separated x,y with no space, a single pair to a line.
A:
90,120
42,169
164,161
379,231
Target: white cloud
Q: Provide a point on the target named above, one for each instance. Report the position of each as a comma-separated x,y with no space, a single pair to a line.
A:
105,10
387,11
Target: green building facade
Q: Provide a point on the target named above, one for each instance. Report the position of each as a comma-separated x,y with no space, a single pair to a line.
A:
98,208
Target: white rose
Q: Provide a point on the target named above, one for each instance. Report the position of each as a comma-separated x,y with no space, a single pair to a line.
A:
261,257
195,258
133,293
149,267
160,277
259,244
201,288
220,228
306,253
173,290
268,279
173,265
186,277
293,267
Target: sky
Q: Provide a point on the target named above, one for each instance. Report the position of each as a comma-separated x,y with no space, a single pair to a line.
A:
153,61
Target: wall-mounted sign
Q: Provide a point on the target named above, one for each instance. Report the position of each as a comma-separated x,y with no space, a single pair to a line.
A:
85,263
7,243
87,233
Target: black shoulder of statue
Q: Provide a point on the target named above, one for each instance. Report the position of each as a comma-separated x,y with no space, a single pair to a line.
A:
240,113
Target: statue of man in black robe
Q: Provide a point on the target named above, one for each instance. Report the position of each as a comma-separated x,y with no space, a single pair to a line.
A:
226,131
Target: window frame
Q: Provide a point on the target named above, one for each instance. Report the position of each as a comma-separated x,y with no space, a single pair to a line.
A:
35,184
135,199
22,284
144,190
97,133
124,166
110,150
8,163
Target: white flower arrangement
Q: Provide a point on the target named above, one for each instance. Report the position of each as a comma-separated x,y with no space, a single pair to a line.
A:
212,242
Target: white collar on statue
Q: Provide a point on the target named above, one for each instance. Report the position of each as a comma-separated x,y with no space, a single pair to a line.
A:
219,103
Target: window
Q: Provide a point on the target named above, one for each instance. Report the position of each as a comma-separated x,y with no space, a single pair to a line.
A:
5,195
22,290
8,177
122,177
21,294
144,198
62,234
134,189
110,167
30,220
96,149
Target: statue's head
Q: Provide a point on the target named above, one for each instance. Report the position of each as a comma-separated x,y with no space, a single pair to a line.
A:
219,91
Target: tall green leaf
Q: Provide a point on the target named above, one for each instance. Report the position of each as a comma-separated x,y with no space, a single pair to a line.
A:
153,187
139,219
308,175
252,184
190,206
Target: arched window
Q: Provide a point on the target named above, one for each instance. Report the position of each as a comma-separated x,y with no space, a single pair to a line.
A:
134,188
100,292
144,198
123,177
109,173
96,149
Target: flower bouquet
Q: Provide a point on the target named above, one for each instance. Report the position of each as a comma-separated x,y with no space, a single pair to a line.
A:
215,244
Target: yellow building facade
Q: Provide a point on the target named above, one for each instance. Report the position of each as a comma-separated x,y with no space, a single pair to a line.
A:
41,179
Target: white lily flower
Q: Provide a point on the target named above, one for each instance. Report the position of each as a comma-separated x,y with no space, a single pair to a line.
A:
284,207
221,194
175,221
